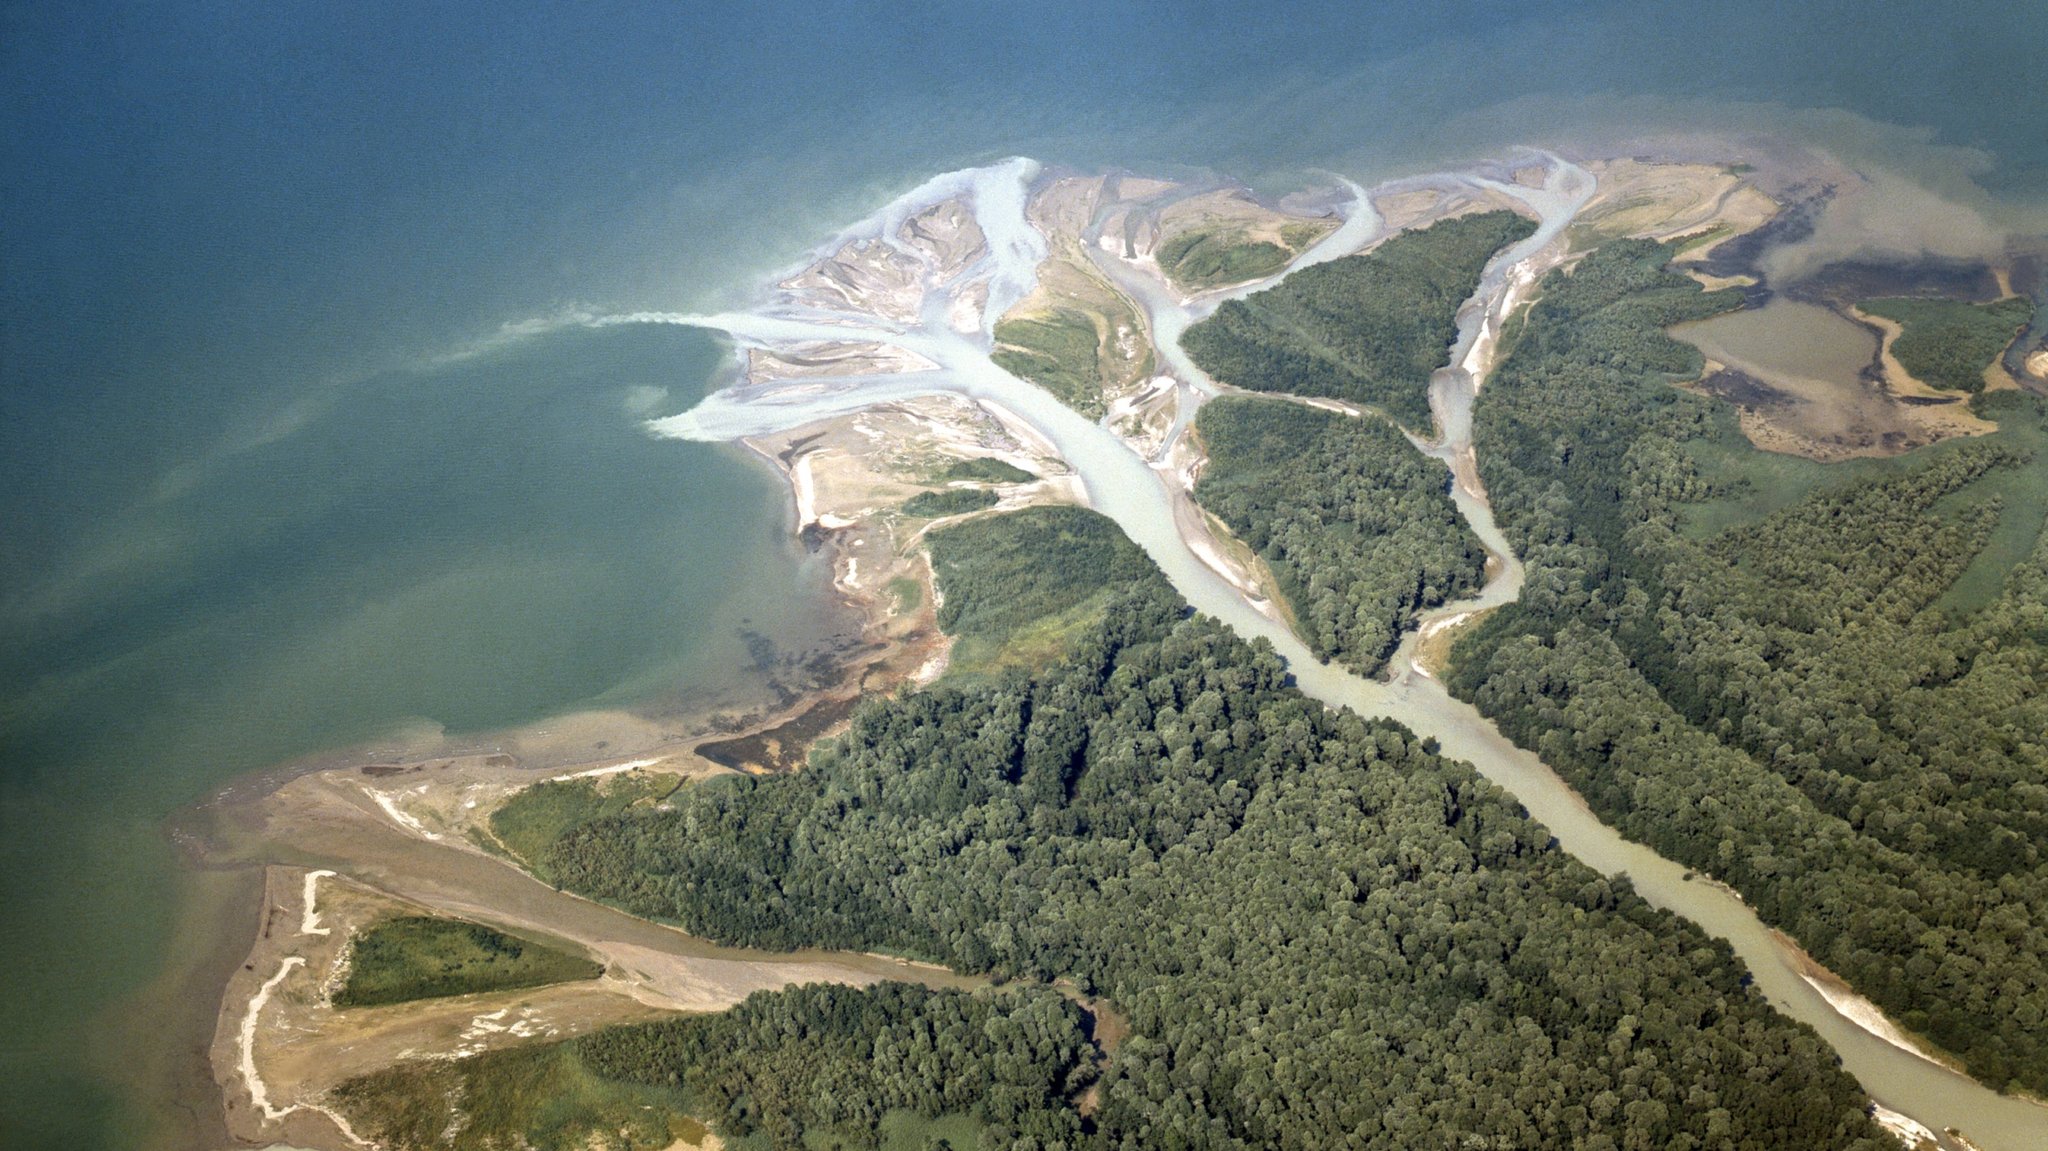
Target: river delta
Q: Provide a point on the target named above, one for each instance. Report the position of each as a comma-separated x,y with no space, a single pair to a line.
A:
860,374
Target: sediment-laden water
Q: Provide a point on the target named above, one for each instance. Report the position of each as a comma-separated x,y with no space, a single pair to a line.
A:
258,503
1141,499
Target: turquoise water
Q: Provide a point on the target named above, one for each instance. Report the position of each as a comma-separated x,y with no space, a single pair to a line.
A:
475,545
251,510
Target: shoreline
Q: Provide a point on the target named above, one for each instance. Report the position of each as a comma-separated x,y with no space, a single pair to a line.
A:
821,527
407,785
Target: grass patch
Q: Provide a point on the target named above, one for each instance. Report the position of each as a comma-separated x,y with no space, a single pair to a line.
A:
1213,257
1948,343
908,593
950,502
1754,483
542,1097
985,470
1060,351
1032,644
1301,237
422,957
1694,241
529,822
899,1130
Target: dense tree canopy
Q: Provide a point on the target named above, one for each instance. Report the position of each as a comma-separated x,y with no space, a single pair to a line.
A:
1322,934
1356,524
1368,328
1796,700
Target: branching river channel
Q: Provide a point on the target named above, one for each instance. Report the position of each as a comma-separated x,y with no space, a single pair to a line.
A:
1149,499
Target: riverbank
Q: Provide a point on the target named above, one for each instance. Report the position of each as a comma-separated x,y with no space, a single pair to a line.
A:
343,847
848,476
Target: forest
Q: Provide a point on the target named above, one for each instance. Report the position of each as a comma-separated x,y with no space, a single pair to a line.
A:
1357,525
1320,933
1369,328
1827,693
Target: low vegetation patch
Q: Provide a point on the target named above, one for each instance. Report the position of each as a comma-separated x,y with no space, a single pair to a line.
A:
1213,257
986,470
950,502
1060,351
422,957
1948,343
895,1067
536,816
543,1097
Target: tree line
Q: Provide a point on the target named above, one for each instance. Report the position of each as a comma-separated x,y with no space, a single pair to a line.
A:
1368,328
1322,934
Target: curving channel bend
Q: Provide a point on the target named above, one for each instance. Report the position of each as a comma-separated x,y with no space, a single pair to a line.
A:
1143,497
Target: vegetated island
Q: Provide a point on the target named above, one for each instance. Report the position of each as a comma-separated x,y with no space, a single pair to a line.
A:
1221,914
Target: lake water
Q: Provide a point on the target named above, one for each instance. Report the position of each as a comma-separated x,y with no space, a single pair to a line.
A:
254,508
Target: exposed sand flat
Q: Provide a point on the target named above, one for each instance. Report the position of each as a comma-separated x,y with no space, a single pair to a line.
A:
1431,652
848,358
856,467
281,1044
948,236
1714,283
888,277
1400,210
1405,205
1796,373
1907,1130
1066,206
1663,201
1145,417
1068,281
1237,209
852,473
292,1045
867,277
449,800
614,769
1142,187
1865,1014
309,921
